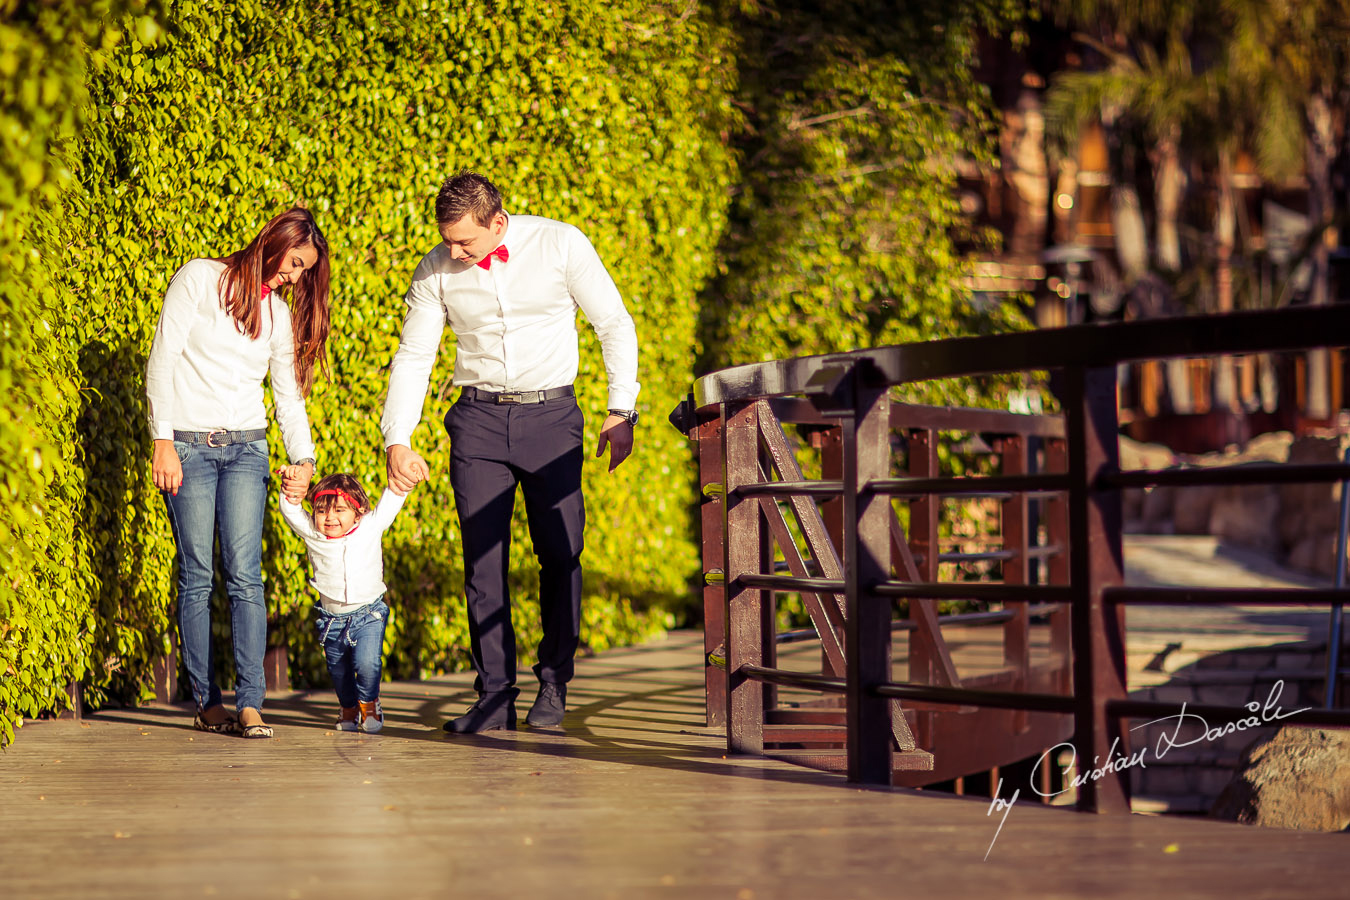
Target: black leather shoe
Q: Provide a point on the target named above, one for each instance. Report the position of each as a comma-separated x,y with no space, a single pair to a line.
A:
490,713
549,706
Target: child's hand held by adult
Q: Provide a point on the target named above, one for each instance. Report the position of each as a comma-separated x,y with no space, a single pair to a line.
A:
404,468
295,480
166,468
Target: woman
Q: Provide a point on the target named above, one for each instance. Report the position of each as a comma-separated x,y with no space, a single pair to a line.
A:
226,324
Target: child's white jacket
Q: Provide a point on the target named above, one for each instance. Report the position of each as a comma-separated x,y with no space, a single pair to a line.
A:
348,571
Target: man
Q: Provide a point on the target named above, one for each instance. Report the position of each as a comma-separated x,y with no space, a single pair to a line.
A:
510,286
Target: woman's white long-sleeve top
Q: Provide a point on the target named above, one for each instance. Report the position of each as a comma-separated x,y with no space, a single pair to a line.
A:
348,571
204,375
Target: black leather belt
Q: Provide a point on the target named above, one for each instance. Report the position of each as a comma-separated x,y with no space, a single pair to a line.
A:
513,398
220,437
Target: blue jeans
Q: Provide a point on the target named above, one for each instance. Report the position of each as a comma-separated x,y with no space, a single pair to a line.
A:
224,493
352,643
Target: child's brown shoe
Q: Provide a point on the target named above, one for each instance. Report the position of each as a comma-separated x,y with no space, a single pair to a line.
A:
372,717
349,720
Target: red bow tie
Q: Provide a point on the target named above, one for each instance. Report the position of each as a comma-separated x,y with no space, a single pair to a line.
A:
486,261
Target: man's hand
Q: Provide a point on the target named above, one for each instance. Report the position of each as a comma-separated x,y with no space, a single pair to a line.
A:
404,468
618,434
165,467
295,481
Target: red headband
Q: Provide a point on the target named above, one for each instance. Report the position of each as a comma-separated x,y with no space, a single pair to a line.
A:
340,493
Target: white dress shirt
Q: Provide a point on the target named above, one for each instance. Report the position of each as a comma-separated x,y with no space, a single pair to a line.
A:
515,324
204,375
348,571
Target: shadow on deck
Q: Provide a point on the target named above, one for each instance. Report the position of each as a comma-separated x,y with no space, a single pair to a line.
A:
633,798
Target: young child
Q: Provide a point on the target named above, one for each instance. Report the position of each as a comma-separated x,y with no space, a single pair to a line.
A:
343,537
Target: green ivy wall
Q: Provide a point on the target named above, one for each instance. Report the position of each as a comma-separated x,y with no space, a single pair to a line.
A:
698,144
607,116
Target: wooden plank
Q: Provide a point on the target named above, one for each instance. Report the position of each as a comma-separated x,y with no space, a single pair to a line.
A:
932,418
805,734
711,515
1057,566
804,509
812,526
824,612
924,663
924,612
742,551
830,443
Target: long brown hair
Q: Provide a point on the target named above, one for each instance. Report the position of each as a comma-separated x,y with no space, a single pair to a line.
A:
246,270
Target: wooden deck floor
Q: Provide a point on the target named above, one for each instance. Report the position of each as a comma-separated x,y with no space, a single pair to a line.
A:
634,799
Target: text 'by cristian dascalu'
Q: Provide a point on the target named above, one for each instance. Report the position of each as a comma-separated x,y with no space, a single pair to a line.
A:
1261,714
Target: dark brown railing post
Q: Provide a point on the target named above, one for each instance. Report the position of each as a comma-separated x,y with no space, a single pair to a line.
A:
831,444
867,563
1017,630
1056,514
742,551
923,538
1096,562
711,512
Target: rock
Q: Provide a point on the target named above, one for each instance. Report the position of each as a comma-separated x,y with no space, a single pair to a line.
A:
1191,507
1246,516
1314,553
1270,447
1136,455
1297,779
1309,509
1132,508
1157,510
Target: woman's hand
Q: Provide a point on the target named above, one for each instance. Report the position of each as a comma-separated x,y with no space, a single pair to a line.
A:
295,481
165,467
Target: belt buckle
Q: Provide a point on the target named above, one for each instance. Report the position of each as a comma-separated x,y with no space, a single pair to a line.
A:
210,436
509,398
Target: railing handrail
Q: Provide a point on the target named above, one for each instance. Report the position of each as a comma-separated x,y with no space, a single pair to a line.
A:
1086,346
913,416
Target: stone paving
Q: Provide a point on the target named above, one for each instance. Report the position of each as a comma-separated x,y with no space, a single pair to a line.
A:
1227,656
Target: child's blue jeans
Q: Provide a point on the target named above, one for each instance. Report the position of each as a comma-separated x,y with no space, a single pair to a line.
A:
351,644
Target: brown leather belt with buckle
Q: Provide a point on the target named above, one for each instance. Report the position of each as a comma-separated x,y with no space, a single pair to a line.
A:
515,398
220,437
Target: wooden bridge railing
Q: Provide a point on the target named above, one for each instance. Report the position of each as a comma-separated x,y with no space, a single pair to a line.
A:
747,469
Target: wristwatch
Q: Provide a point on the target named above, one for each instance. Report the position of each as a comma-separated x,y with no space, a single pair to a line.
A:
307,459
628,415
